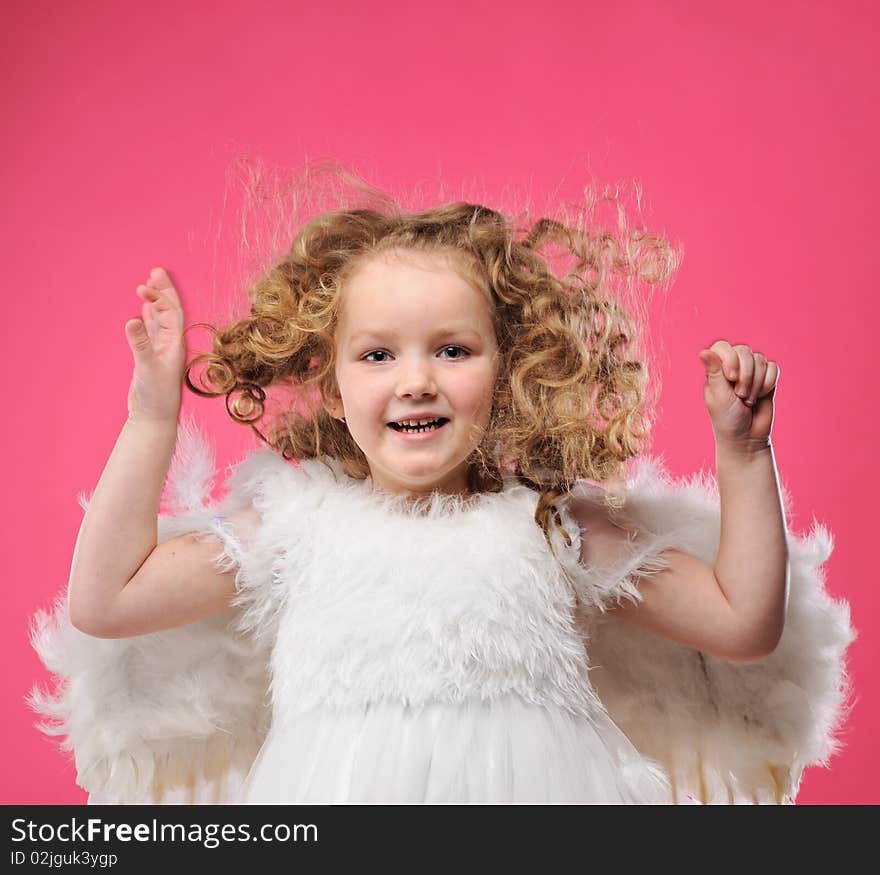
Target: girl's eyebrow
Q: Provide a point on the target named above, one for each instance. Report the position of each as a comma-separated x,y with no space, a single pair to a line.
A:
393,335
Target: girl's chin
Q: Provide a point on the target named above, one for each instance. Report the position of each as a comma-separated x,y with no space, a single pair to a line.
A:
417,480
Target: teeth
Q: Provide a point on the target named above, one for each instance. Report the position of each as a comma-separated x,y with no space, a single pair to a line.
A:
418,426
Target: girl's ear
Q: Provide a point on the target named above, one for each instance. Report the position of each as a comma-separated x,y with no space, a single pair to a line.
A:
331,399
334,407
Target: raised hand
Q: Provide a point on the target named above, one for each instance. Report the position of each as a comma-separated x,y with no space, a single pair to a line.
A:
739,393
159,350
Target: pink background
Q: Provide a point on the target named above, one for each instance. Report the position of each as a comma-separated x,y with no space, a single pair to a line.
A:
753,131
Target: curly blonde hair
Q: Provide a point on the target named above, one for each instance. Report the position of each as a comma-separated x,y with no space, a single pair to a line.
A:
569,400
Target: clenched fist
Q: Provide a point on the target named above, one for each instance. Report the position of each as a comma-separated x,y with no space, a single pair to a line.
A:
739,393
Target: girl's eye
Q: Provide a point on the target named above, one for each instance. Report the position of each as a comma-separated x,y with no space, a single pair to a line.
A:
461,349
375,352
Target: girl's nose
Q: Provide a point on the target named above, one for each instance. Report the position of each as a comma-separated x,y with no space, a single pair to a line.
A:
416,379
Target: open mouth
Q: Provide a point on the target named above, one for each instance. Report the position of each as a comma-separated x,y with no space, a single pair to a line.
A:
421,427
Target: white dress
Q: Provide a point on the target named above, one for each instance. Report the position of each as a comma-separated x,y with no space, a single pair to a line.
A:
427,654
383,651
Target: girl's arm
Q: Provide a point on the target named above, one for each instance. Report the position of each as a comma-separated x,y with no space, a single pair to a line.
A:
119,530
121,582
114,588
736,609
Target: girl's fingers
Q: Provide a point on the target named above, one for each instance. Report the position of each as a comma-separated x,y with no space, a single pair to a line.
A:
159,288
158,278
138,338
161,282
729,358
149,320
753,374
746,370
771,378
162,310
760,363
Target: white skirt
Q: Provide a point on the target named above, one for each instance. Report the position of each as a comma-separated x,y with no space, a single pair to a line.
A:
501,751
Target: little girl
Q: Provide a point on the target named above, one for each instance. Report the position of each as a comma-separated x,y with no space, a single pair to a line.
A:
446,599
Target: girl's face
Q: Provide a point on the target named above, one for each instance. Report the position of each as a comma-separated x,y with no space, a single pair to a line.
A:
415,341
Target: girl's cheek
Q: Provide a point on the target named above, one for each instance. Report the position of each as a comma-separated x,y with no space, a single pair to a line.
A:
375,396
483,387
480,404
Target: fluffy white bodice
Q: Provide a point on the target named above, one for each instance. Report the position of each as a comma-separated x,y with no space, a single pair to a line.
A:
368,597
